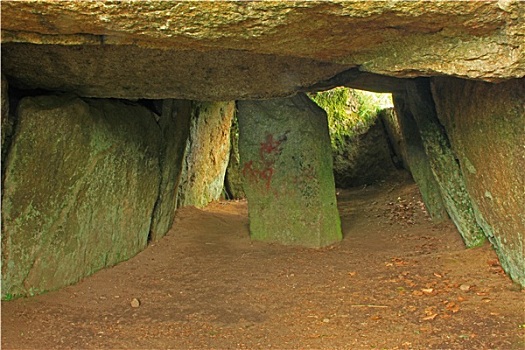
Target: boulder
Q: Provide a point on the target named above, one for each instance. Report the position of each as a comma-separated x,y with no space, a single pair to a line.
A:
252,49
287,168
81,181
207,153
486,127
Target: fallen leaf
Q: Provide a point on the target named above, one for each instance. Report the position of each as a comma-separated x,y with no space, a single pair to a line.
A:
430,317
427,290
352,274
452,306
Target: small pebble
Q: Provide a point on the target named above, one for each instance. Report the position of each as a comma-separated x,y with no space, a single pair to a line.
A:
135,302
326,320
464,287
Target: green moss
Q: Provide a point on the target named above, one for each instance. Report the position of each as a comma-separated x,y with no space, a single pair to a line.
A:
350,112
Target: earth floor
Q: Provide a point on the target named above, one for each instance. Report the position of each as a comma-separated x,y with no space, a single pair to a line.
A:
396,281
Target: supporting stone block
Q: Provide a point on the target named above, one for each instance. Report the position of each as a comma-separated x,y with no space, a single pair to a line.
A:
174,125
286,162
416,160
443,163
82,177
486,127
207,153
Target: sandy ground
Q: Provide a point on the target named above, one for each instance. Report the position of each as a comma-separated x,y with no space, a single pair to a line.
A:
396,281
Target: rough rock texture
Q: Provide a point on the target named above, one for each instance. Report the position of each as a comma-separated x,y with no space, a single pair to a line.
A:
407,138
233,182
81,181
486,127
7,122
287,168
442,159
252,49
207,153
174,123
365,159
389,118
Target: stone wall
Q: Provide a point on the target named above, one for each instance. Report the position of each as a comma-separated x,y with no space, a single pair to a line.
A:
81,181
207,153
486,127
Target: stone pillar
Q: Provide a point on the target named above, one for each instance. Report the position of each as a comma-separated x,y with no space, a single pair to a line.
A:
443,162
174,124
286,162
486,127
417,161
207,153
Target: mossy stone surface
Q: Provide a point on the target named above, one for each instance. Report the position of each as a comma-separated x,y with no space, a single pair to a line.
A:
486,127
287,168
82,177
442,159
174,124
207,152
407,139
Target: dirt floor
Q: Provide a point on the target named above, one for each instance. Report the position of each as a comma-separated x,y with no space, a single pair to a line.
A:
396,281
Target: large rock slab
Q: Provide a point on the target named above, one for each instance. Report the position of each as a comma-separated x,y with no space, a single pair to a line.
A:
409,146
442,160
486,127
287,167
227,50
174,123
81,181
207,153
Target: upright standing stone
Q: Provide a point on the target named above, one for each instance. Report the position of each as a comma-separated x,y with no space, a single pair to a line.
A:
286,162
417,160
174,125
207,153
81,181
443,163
486,127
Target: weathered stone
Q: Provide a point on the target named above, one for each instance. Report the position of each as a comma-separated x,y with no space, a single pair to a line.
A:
486,127
252,49
287,167
7,122
107,71
364,159
395,136
207,153
233,182
443,162
411,149
81,181
174,123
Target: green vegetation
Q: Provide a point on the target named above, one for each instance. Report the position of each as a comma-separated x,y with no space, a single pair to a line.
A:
350,112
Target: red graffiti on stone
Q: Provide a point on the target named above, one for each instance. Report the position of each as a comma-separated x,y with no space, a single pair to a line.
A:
269,150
